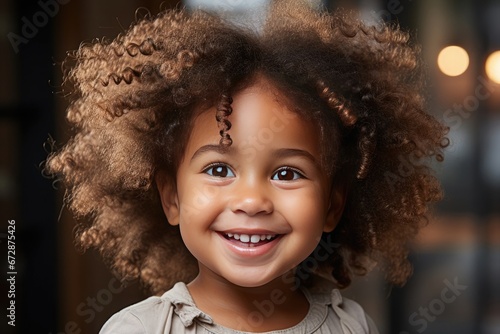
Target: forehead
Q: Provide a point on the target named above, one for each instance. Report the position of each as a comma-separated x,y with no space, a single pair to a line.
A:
260,118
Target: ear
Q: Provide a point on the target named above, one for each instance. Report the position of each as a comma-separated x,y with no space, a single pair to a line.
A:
336,208
168,195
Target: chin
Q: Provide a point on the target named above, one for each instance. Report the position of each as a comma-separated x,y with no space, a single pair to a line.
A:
249,283
251,280
255,285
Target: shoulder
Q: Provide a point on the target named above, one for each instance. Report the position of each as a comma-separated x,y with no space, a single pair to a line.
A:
343,312
351,314
152,315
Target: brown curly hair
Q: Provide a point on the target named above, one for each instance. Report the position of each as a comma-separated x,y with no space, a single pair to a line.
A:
134,99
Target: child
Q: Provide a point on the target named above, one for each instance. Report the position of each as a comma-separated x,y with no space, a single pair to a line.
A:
236,173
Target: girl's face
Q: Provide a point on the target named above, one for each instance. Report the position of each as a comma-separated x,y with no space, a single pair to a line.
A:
251,212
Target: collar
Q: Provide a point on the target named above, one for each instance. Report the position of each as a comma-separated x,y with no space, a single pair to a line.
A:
184,305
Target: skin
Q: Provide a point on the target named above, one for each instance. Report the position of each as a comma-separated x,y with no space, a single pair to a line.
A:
268,182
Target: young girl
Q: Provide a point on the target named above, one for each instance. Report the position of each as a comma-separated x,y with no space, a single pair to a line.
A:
238,173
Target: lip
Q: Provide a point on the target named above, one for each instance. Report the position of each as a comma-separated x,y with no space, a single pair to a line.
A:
241,250
248,231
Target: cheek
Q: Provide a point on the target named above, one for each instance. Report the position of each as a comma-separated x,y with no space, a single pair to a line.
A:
199,208
306,211
307,218
195,197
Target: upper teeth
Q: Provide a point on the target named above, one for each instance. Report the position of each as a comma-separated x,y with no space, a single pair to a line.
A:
254,238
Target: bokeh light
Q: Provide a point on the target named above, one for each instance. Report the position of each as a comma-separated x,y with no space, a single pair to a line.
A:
493,66
453,60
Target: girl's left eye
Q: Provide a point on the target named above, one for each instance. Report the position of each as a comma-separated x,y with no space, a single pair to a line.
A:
287,174
219,171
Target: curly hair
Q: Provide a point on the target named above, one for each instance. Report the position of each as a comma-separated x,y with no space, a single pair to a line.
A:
134,99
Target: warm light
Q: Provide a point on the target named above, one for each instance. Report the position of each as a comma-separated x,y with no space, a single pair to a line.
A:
453,60
493,66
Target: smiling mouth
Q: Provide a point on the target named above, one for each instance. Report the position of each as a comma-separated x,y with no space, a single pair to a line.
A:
250,240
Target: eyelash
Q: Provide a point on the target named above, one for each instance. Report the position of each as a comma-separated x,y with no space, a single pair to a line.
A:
288,169
214,165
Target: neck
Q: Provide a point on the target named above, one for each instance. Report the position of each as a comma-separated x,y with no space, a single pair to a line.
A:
276,305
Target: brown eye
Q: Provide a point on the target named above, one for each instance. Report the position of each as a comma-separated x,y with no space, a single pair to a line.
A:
219,171
286,174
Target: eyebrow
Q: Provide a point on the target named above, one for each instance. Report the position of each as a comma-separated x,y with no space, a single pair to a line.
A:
210,148
278,154
294,152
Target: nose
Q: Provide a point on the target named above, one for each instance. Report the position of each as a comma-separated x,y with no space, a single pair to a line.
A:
251,198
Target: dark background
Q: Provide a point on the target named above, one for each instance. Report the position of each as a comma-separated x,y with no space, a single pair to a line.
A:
60,290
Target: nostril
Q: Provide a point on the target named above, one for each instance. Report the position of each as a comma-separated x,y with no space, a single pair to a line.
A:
252,205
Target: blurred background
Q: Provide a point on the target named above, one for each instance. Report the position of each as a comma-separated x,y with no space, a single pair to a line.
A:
456,283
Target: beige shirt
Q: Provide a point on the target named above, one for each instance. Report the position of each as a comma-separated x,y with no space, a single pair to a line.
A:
176,312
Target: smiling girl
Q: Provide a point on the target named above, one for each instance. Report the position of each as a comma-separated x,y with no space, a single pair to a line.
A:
244,177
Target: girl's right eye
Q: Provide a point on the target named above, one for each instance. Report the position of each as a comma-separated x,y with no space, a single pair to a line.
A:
219,170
